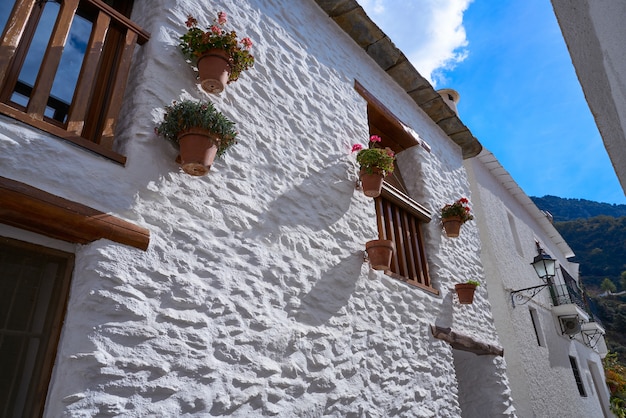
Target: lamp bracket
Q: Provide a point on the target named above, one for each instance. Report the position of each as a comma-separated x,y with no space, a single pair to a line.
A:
523,296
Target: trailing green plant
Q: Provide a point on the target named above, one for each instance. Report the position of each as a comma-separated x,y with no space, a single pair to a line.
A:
184,115
374,158
459,208
615,375
197,42
474,282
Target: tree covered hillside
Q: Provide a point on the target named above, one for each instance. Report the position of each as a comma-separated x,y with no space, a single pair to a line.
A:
570,209
600,247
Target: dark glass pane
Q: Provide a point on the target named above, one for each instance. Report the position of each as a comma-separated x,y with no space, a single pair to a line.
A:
24,298
28,279
122,6
11,347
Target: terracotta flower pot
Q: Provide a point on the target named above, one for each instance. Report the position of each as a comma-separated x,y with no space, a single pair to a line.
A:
198,148
465,292
452,226
380,252
214,70
372,184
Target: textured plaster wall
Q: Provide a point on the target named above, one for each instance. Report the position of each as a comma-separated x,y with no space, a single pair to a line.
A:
594,33
253,298
541,378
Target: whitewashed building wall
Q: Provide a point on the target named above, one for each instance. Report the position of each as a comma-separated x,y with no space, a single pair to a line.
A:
253,298
541,376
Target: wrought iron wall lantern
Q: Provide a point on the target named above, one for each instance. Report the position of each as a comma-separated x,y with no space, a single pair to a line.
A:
591,332
545,267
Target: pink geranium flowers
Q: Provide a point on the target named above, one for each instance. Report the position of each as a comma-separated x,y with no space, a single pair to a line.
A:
374,159
197,42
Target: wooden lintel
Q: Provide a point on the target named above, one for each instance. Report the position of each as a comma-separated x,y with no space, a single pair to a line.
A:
465,342
395,133
35,210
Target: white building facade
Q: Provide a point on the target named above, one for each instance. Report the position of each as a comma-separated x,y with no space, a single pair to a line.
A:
593,32
553,345
133,289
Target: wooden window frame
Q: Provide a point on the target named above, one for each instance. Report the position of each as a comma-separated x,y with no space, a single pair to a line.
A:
400,219
38,387
101,83
395,134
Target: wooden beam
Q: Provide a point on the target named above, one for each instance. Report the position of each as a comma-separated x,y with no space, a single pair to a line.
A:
51,59
62,133
392,130
87,77
465,342
142,35
117,95
14,29
35,210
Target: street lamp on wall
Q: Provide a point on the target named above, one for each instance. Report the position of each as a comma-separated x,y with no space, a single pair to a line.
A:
545,267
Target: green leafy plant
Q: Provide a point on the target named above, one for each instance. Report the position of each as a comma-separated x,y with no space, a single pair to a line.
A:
197,42
615,375
459,208
184,115
474,282
374,158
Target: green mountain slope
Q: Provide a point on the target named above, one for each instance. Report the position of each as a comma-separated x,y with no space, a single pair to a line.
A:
600,247
570,209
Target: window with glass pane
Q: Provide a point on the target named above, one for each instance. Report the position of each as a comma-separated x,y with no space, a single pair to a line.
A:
34,284
68,67
579,381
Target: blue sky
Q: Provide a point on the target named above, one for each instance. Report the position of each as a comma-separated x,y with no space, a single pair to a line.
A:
519,93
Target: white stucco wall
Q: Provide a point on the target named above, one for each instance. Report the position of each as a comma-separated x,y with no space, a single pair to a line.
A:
594,33
253,298
541,377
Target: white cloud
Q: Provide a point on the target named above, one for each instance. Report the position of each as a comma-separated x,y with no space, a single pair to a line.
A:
375,6
429,32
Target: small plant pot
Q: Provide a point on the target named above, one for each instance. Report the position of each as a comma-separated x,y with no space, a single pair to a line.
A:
198,148
372,184
465,292
452,226
214,70
379,253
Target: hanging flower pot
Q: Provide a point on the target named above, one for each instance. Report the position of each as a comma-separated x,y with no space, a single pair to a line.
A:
452,226
465,292
454,215
214,70
379,253
217,53
372,184
376,164
199,131
198,148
